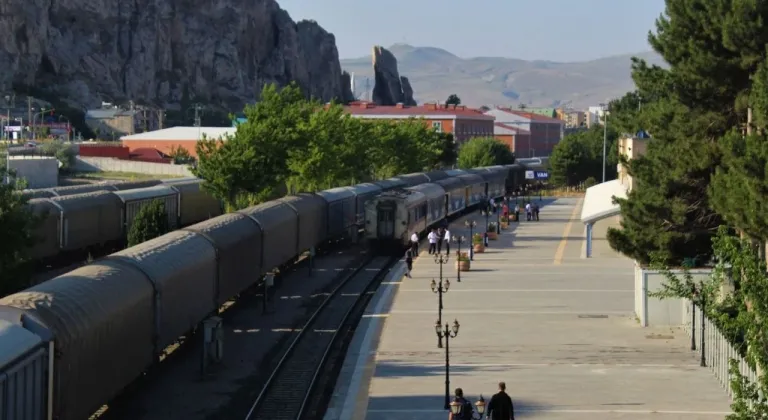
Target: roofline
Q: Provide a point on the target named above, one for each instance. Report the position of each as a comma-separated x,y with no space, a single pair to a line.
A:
426,117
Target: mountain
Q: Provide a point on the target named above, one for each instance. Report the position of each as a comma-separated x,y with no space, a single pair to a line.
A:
435,73
165,52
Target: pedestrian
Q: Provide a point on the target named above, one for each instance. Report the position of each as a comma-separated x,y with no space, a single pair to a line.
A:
528,211
466,407
415,244
536,211
409,262
500,407
439,240
432,238
517,212
447,239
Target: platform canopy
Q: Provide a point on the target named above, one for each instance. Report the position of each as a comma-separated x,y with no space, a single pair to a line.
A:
598,202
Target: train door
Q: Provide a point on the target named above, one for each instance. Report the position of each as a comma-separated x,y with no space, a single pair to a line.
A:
385,223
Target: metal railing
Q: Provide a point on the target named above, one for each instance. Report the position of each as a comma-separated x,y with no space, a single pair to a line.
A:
718,352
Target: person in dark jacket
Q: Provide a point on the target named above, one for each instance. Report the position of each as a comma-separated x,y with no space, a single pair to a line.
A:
500,407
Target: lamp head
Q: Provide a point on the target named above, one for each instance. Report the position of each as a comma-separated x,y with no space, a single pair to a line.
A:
455,406
446,285
433,285
480,405
456,326
438,327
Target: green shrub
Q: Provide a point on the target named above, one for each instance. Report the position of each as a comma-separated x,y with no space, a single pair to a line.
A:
150,222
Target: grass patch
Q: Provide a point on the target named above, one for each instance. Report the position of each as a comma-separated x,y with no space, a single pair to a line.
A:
122,176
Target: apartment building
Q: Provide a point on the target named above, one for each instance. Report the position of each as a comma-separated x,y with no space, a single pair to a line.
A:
464,123
112,122
630,148
540,133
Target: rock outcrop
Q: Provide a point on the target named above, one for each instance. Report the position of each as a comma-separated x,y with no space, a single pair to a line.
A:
389,88
163,51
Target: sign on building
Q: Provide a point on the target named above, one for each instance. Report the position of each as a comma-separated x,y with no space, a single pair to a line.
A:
529,175
542,175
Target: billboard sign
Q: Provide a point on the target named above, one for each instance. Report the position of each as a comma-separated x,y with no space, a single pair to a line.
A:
529,175
542,175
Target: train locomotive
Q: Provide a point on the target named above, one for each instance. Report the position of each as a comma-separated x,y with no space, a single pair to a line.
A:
71,344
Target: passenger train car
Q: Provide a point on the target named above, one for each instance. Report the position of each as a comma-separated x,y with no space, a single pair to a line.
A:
393,216
61,338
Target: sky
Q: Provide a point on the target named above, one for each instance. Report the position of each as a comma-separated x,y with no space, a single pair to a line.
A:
557,30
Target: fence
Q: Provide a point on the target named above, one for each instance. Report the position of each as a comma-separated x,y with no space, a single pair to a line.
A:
717,352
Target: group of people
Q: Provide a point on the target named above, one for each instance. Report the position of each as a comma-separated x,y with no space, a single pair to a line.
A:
500,406
436,238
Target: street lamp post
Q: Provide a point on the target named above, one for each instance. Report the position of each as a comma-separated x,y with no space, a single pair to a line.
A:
448,332
456,408
498,225
487,214
441,259
440,288
458,240
34,117
471,225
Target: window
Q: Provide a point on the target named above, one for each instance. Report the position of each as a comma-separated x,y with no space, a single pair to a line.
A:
437,126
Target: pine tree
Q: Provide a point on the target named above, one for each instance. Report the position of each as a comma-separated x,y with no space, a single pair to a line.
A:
713,49
150,222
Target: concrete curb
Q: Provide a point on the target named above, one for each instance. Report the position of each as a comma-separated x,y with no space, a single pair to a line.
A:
350,397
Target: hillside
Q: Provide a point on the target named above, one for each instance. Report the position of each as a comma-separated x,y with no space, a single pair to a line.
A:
435,73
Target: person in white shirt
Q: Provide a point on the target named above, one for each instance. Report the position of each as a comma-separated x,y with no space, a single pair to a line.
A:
447,239
415,244
528,211
432,238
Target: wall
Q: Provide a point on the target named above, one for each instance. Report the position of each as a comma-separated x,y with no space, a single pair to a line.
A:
39,172
100,150
656,312
95,164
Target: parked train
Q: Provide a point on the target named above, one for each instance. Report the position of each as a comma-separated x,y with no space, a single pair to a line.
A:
394,215
72,343
81,218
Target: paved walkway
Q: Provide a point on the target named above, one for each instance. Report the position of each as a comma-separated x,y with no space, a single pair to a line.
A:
557,328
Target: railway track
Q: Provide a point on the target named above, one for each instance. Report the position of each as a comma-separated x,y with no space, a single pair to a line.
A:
289,391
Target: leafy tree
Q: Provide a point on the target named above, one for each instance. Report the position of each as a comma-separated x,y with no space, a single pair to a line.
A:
335,153
253,162
484,151
579,156
400,147
17,224
449,154
151,222
453,99
180,155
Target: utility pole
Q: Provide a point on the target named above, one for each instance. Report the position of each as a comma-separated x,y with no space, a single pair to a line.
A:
605,136
144,117
160,117
29,117
198,115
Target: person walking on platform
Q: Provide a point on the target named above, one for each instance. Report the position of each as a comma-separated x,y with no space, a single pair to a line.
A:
466,407
439,240
447,239
528,211
432,238
500,407
409,262
536,212
415,244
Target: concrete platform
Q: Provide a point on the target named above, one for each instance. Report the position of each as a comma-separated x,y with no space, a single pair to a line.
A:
559,329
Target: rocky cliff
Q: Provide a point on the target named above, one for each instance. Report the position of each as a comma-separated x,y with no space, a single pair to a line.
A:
165,52
389,87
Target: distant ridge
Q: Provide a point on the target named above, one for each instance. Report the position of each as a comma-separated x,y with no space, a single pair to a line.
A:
435,73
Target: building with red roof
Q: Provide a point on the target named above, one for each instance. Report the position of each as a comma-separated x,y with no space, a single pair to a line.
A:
543,133
464,123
